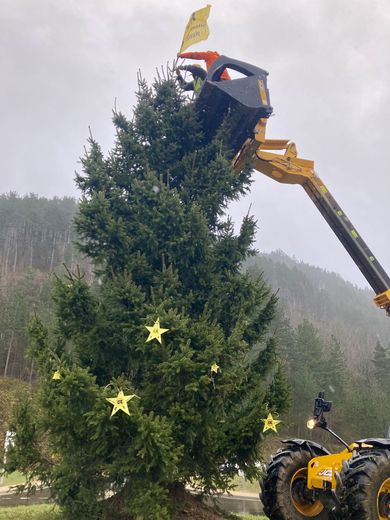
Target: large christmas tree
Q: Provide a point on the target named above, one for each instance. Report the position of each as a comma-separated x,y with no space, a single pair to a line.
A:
163,367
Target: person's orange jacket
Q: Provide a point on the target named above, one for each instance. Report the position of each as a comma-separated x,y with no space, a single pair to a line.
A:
209,57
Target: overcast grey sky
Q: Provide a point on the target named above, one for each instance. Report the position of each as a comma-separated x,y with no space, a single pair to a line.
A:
63,63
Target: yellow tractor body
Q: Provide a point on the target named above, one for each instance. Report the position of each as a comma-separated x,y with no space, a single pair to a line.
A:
322,471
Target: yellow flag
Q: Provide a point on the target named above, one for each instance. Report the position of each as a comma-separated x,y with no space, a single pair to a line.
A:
197,28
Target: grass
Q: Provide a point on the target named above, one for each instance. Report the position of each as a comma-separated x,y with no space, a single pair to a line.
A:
37,512
50,512
241,484
13,479
249,517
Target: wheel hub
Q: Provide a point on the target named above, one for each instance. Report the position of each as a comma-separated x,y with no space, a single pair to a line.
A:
384,507
384,500
301,493
303,498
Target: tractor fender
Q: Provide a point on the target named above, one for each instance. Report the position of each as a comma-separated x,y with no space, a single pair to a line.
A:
314,448
383,444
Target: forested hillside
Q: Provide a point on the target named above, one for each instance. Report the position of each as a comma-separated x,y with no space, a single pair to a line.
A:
332,338
35,232
36,236
334,306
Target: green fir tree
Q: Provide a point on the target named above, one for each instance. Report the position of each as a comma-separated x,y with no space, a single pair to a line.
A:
152,221
381,363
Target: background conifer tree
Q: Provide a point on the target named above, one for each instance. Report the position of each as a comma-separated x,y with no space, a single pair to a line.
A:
381,362
152,221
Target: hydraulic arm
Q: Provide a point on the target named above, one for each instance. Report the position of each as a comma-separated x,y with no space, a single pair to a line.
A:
288,168
246,103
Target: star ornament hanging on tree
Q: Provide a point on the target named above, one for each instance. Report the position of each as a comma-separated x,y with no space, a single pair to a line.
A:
56,376
120,402
215,368
156,331
270,423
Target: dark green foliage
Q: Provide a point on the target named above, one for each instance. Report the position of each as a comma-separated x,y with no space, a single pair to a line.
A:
331,304
381,362
328,332
335,376
35,237
360,399
151,220
20,297
279,392
10,391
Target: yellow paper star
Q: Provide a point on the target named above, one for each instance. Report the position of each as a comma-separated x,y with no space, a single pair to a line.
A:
120,402
215,368
57,375
155,331
270,423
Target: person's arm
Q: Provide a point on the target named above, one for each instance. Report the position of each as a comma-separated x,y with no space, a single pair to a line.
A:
184,85
195,70
193,55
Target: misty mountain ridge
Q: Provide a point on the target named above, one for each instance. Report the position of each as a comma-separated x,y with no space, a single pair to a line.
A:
335,306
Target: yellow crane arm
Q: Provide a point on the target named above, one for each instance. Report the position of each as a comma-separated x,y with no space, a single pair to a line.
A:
288,168
246,102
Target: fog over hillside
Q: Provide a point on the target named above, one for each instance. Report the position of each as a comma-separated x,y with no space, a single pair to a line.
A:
334,305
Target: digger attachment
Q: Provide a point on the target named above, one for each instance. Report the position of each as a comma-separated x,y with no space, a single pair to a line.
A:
244,100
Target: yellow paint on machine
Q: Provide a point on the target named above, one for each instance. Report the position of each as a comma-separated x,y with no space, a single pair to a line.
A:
263,93
323,469
382,299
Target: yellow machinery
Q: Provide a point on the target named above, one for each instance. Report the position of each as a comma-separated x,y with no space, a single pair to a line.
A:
302,480
288,168
246,103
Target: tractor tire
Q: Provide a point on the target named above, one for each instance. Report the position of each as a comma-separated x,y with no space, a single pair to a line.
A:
284,492
366,491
